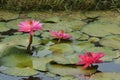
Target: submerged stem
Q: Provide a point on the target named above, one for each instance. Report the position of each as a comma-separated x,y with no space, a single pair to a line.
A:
29,46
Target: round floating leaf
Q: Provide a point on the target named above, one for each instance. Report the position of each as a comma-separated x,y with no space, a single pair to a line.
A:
21,40
3,27
14,24
62,48
104,29
40,63
112,41
65,59
105,76
69,78
6,15
52,20
16,57
64,70
81,46
15,71
109,54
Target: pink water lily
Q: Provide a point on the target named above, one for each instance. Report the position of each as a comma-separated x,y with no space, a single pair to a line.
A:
29,26
59,35
89,58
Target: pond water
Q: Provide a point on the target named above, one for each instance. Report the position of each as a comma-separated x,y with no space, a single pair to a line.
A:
92,31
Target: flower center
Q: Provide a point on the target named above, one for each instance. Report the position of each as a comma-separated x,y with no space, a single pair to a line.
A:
88,54
29,23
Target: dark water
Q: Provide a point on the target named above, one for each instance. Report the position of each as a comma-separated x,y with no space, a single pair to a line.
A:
103,67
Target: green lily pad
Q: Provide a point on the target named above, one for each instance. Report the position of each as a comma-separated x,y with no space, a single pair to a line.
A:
81,46
104,29
112,41
16,62
40,63
84,37
13,24
52,20
65,70
93,39
22,40
15,71
109,54
62,48
69,78
7,15
3,27
105,76
65,59
16,57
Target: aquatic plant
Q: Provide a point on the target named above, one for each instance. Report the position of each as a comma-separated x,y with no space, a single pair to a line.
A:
59,35
29,26
89,58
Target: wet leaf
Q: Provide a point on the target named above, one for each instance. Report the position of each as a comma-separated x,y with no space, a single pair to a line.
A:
112,41
105,76
64,70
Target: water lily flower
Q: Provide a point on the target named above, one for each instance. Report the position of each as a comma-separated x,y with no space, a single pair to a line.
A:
59,35
89,58
29,26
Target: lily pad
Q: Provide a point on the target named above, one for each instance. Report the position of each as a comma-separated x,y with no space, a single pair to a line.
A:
3,27
20,40
40,63
81,46
112,41
105,76
62,48
104,29
109,54
13,24
52,20
15,71
7,15
65,70
69,78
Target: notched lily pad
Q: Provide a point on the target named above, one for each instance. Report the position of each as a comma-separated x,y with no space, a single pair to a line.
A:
105,76
65,70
